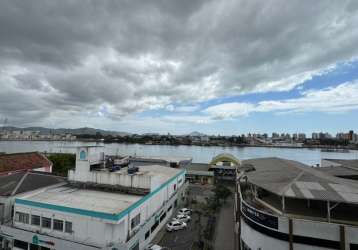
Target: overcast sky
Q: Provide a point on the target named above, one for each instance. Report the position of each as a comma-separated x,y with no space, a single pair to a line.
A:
223,67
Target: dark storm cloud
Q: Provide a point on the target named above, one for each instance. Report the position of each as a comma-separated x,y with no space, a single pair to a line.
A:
69,58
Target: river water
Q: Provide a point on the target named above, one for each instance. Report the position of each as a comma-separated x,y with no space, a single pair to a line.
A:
197,153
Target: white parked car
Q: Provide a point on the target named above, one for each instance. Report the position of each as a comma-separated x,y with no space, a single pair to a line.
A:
182,218
154,247
175,225
185,211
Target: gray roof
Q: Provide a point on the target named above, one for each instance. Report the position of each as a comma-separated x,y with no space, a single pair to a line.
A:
338,171
344,163
199,169
338,167
296,180
22,182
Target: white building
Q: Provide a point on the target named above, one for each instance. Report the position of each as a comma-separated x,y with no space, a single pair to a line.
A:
98,209
283,204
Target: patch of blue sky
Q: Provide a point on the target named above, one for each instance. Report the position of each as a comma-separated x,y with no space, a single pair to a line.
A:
343,72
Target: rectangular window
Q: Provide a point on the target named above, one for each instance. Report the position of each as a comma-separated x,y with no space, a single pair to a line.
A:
68,227
147,235
22,217
46,222
36,247
169,208
35,220
58,225
154,226
21,244
162,217
135,221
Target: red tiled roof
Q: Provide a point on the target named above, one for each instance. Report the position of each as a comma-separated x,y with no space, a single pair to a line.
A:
22,161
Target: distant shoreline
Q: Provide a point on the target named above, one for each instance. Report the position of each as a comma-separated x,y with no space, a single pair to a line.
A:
339,148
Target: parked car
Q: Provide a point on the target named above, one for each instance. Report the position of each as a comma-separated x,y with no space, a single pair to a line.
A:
175,226
185,211
154,247
182,218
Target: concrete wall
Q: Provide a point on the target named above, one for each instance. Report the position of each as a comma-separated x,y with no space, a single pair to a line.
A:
95,231
301,227
256,240
135,181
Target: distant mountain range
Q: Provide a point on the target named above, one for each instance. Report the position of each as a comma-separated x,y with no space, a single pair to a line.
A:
75,131
82,131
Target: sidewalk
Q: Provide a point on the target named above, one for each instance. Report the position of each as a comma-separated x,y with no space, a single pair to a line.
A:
224,234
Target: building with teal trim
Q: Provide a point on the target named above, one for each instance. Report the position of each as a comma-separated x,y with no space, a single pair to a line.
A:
98,208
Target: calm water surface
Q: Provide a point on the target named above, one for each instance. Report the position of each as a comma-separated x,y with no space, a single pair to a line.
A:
199,154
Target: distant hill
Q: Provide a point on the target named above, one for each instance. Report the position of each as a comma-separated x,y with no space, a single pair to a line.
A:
75,131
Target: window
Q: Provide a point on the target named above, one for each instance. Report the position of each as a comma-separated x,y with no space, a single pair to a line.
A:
162,217
21,244
46,222
22,217
147,235
68,227
135,221
58,225
35,220
36,247
154,226
169,208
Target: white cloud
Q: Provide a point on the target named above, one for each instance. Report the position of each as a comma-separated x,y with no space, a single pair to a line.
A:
341,98
229,110
134,56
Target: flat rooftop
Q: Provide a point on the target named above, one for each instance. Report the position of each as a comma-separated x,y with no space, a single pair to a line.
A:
163,173
96,203
69,199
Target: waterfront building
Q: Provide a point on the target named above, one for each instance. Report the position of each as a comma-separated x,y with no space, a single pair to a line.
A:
283,204
221,167
301,136
99,208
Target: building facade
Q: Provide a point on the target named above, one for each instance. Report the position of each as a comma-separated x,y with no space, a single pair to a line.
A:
98,208
282,204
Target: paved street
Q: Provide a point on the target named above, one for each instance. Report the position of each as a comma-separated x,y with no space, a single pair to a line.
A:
224,239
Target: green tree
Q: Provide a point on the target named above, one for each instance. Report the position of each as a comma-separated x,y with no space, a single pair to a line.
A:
62,163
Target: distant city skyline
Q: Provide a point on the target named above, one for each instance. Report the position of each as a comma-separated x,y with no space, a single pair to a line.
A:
27,131
216,67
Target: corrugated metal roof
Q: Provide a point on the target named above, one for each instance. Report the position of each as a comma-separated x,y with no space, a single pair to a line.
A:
294,179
